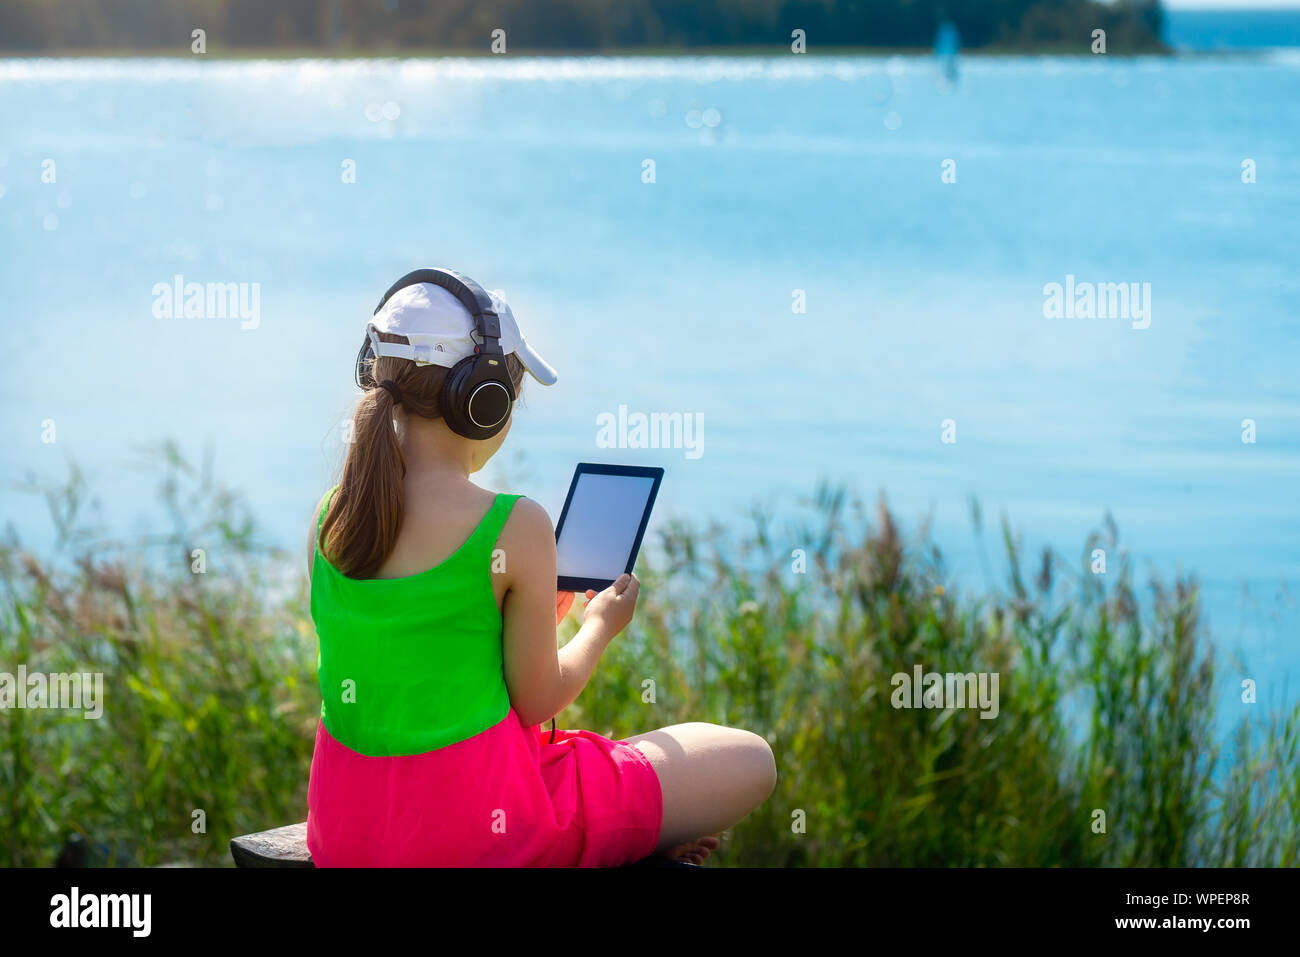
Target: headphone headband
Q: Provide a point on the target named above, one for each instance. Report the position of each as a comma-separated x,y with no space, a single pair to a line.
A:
475,299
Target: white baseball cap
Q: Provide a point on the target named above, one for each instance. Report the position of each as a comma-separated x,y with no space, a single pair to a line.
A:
439,330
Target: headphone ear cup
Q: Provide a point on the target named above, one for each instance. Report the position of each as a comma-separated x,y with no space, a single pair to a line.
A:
476,397
450,398
364,371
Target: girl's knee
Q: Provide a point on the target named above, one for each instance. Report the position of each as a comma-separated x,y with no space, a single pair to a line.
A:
750,754
765,764
759,761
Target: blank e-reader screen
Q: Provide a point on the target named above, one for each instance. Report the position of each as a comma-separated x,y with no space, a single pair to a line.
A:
601,524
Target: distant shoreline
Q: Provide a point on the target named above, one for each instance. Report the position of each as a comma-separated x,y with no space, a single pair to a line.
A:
412,53
1072,51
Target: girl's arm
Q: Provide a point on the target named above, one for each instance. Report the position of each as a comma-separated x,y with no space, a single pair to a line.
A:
543,680
311,539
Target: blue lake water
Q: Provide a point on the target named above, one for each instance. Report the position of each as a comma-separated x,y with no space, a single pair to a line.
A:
924,298
1235,30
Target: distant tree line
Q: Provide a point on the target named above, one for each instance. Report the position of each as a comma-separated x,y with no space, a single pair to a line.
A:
155,26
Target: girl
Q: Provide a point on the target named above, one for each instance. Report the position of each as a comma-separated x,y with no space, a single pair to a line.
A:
434,601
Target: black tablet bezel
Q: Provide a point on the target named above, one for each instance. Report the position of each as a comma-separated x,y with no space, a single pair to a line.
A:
580,585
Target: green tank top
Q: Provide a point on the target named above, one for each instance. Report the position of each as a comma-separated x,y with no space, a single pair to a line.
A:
409,665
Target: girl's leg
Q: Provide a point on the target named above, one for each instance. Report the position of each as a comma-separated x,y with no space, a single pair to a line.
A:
711,777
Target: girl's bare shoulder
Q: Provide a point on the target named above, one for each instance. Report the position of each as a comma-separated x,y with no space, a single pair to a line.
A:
528,525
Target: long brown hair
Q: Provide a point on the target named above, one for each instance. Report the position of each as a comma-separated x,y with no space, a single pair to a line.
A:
365,515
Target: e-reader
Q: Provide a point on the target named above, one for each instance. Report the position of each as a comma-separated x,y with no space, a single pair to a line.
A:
603,521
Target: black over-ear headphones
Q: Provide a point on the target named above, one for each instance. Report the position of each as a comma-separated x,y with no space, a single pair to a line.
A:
477,393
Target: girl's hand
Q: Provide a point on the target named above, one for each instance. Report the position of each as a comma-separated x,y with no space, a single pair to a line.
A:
612,609
563,602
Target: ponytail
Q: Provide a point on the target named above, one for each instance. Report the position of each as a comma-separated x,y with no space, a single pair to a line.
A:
365,514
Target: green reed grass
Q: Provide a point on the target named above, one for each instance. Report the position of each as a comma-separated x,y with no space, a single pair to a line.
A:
1106,699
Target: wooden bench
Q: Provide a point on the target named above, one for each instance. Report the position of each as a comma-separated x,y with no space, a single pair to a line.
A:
287,847
279,847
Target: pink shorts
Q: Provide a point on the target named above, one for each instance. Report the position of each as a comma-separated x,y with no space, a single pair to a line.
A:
614,789
507,797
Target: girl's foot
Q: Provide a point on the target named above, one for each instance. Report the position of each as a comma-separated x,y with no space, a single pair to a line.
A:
694,852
